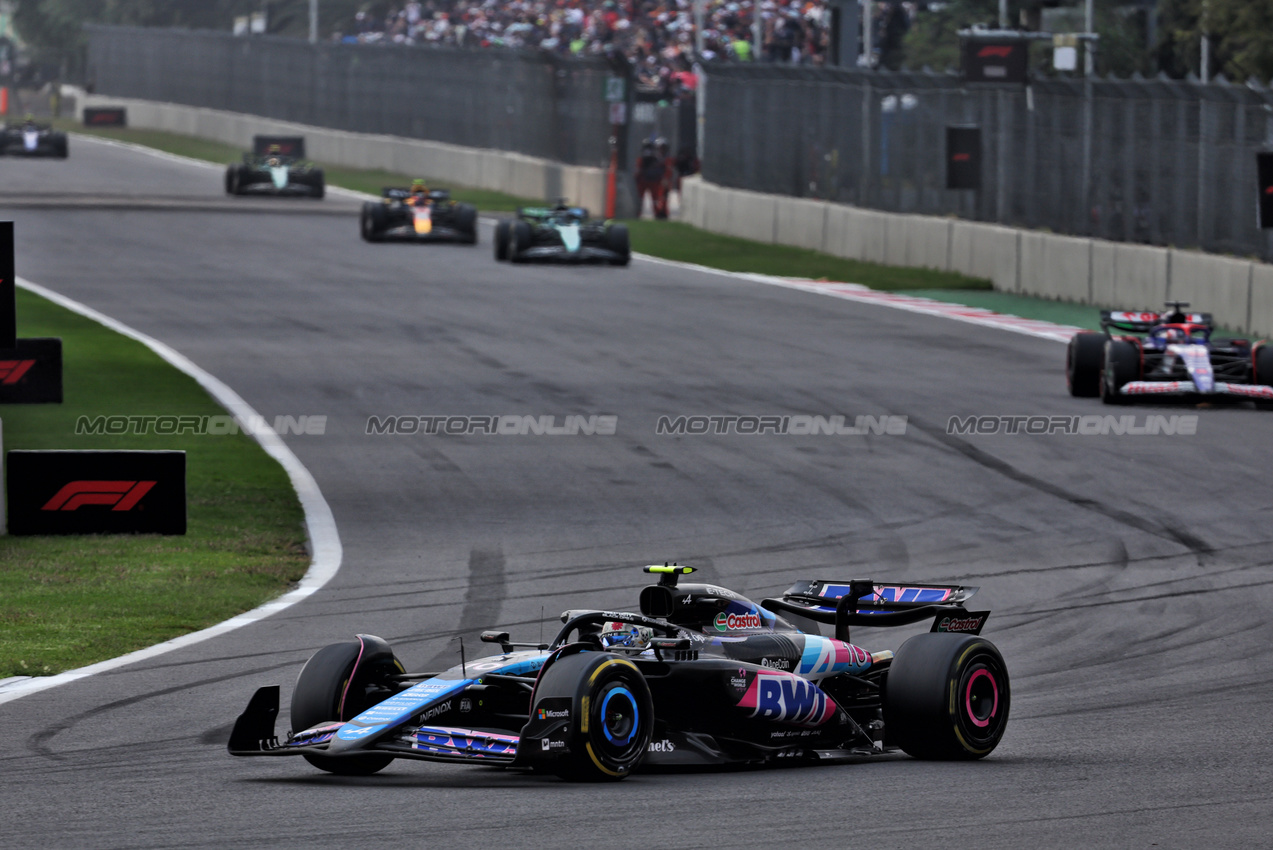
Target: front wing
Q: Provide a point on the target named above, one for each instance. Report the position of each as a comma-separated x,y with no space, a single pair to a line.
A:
1259,392
560,254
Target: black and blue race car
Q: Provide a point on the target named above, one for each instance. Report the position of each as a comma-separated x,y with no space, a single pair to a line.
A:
701,676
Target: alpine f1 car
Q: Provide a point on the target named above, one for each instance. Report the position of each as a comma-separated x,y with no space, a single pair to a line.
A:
701,676
418,214
562,233
30,138
1170,354
276,166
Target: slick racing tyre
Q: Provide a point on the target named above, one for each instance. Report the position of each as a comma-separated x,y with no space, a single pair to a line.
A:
318,185
60,146
617,241
519,241
1084,361
232,180
338,683
946,697
1263,372
372,222
502,235
1122,365
613,716
466,222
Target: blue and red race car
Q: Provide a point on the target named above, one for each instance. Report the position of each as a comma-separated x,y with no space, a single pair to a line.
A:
701,676
1167,354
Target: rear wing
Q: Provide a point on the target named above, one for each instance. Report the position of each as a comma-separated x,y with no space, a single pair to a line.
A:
865,603
1144,322
293,146
396,194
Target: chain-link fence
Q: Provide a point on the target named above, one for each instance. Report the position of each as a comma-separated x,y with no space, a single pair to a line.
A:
1155,161
531,103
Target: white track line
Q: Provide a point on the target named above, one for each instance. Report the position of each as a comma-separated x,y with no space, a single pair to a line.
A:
324,539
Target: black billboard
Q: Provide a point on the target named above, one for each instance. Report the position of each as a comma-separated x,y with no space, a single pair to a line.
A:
31,372
1264,167
96,492
963,157
995,60
105,116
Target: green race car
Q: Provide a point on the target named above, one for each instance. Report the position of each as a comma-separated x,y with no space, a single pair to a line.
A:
561,233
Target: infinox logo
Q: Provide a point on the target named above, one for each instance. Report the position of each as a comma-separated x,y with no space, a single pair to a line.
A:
1002,51
120,495
11,371
731,622
954,624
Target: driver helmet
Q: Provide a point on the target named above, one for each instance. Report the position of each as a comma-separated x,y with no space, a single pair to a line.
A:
625,636
418,187
1175,335
273,153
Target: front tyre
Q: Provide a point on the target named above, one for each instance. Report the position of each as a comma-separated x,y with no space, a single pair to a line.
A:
1262,360
613,717
1122,366
466,222
618,243
1084,360
946,697
338,683
502,235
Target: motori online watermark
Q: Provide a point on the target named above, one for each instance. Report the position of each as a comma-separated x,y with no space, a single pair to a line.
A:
785,425
504,426
216,426
1091,425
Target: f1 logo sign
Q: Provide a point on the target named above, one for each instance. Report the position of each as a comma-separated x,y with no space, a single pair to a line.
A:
121,495
11,371
96,492
998,51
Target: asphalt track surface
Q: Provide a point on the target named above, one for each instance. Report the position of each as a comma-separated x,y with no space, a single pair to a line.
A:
1129,576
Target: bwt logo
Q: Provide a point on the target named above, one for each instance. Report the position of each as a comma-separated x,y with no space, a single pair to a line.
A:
11,371
999,51
792,700
120,495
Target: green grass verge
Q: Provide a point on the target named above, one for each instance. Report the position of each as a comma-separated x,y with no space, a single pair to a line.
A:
70,601
670,240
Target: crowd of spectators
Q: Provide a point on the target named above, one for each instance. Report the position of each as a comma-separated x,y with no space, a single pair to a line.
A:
658,36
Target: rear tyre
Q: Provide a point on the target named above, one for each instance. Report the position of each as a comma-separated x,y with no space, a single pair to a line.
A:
1122,366
1084,361
60,146
319,187
613,719
232,180
520,241
502,236
617,241
337,685
1263,373
466,222
946,697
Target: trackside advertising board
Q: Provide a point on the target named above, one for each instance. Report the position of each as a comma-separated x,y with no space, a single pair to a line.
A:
31,372
96,492
105,116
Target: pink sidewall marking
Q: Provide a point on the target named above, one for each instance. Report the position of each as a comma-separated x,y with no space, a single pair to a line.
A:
994,708
340,709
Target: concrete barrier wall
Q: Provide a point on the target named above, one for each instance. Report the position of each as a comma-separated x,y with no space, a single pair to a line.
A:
1239,293
501,171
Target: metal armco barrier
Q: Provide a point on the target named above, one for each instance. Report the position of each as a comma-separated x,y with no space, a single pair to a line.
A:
526,102
96,492
1153,161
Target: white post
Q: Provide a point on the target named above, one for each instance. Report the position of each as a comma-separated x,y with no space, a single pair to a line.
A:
700,12
1089,63
1003,14
757,34
868,46
1204,62
313,21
